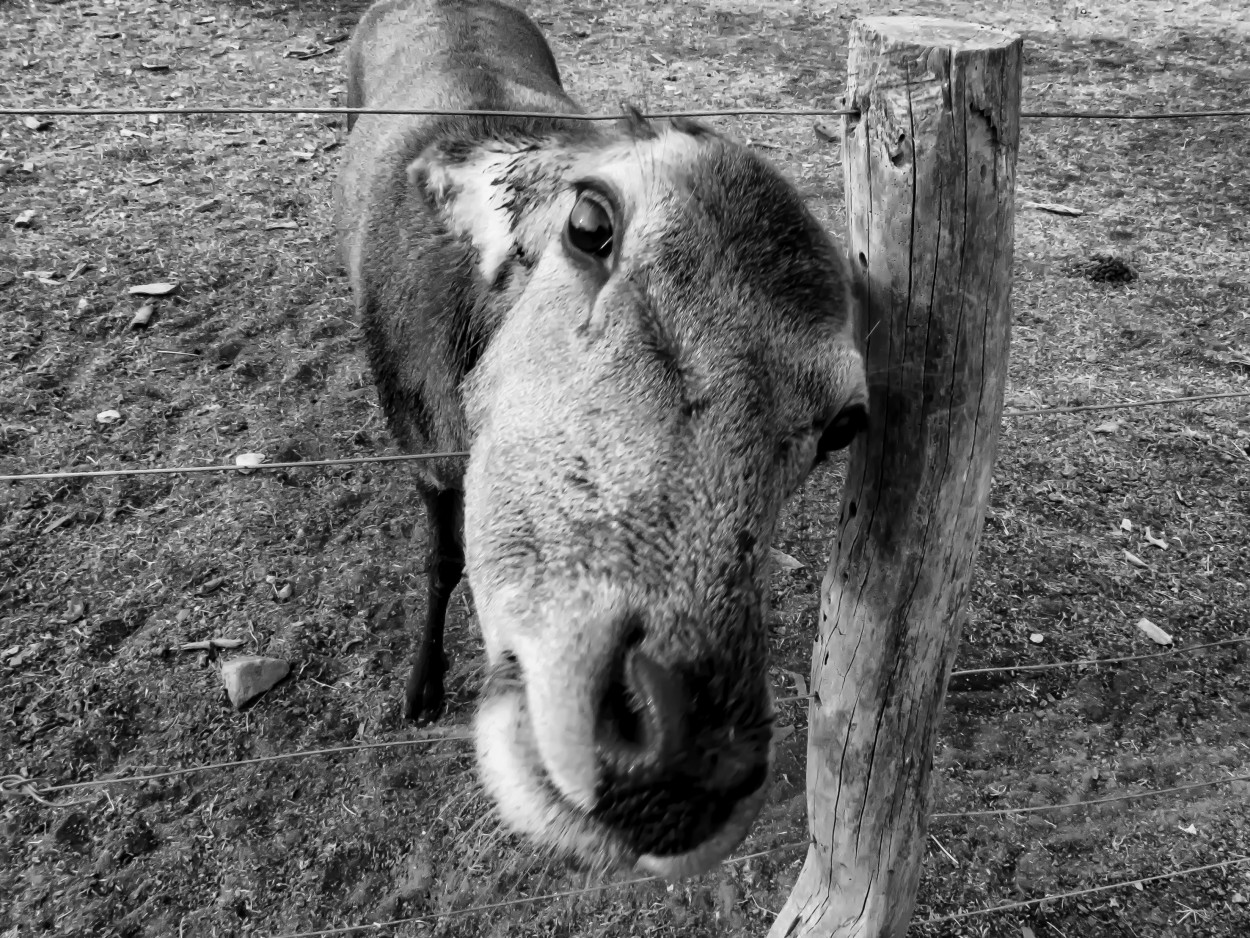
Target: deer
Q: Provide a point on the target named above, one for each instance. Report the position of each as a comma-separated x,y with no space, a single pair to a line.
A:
645,341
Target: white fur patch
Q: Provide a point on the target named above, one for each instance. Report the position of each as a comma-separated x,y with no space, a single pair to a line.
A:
472,205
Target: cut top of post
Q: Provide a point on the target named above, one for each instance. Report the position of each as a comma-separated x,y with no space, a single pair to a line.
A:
932,31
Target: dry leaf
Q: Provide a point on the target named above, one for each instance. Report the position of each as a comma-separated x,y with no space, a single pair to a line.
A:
25,219
143,315
36,123
1053,207
1135,560
1191,830
1157,542
1109,427
108,416
153,289
248,461
784,561
1037,638
59,523
211,585
1126,525
781,733
127,132
274,225
210,644
1153,632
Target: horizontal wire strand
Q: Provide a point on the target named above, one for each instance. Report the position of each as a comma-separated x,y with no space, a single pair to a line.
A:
1076,893
1110,799
1158,402
14,784
403,457
1079,662
431,917
228,467
559,115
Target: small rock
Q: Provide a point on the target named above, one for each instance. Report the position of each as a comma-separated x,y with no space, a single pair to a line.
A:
248,677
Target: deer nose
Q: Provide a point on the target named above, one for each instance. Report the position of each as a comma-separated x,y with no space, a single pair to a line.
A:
672,766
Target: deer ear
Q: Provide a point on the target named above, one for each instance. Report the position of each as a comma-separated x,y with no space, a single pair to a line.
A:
466,192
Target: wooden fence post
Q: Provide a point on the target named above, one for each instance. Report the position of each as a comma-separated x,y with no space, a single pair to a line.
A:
930,180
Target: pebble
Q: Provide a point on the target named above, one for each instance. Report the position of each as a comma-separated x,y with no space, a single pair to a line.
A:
248,677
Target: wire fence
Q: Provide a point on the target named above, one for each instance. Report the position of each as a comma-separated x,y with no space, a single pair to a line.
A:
21,786
12,785
432,918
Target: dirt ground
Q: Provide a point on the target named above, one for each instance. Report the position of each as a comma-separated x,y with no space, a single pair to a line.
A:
102,581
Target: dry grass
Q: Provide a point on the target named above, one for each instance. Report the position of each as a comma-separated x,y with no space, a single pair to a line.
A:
257,351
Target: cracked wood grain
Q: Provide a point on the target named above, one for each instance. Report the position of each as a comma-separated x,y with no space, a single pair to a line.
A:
930,178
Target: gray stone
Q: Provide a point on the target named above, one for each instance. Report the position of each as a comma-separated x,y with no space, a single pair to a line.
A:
248,677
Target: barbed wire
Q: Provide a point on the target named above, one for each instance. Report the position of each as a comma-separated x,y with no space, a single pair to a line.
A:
1076,893
403,457
560,115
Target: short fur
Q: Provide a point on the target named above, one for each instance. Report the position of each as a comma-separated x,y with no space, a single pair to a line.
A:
635,417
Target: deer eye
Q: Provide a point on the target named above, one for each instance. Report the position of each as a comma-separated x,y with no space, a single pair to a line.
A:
589,230
842,429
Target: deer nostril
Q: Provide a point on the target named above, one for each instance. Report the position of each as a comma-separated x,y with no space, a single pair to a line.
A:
642,717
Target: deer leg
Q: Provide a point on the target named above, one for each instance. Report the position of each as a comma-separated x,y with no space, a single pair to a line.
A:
423,696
